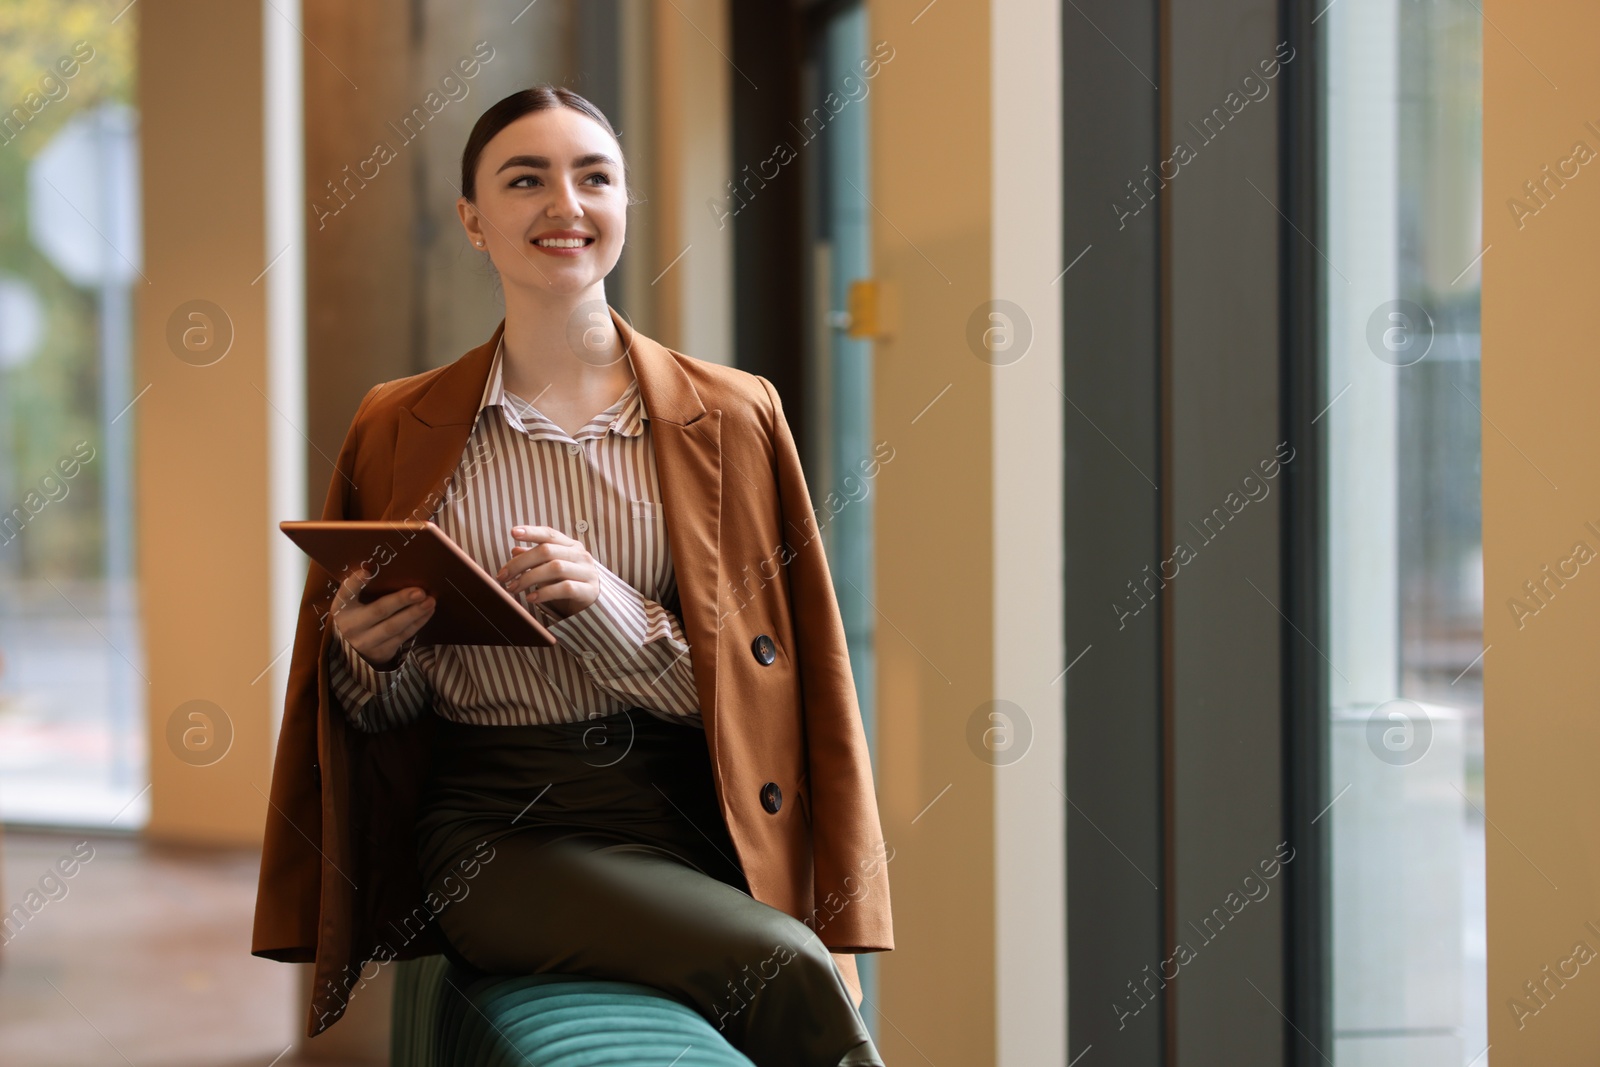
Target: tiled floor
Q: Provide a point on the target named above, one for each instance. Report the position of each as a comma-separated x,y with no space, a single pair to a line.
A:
142,958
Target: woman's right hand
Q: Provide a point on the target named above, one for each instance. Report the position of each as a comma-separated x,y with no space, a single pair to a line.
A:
377,630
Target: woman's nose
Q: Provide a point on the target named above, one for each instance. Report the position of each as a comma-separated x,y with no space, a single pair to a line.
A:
565,204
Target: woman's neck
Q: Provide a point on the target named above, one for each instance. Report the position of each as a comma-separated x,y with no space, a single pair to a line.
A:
569,370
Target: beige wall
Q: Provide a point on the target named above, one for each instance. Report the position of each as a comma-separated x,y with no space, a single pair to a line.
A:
935,543
1541,486
202,508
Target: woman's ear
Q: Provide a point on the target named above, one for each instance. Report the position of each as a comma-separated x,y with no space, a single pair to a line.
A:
471,222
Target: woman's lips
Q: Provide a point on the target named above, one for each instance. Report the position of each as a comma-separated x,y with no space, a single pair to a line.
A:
565,252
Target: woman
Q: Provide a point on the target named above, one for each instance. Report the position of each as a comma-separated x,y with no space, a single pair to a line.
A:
614,805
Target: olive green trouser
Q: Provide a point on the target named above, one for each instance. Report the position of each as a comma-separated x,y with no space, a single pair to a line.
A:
610,858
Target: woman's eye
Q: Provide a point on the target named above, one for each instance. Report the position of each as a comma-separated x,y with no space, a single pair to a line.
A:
517,183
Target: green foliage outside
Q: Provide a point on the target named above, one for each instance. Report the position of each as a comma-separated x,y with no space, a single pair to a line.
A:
52,401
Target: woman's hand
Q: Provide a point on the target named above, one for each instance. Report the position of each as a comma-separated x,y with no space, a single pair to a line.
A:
556,571
377,630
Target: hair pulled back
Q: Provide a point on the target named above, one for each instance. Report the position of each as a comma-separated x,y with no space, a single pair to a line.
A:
524,102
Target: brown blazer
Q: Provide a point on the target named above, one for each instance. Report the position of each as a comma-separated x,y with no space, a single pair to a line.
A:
339,882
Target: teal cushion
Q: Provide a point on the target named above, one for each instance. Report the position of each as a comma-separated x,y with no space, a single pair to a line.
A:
447,1016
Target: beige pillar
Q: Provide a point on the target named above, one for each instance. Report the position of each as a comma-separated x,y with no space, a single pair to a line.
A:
202,508
1541,501
693,122
932,251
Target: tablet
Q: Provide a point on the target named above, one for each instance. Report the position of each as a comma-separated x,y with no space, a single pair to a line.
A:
471,608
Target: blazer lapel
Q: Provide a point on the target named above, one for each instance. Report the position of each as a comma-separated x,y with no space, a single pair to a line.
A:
433,433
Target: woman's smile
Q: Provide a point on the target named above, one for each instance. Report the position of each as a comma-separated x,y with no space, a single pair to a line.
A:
564,242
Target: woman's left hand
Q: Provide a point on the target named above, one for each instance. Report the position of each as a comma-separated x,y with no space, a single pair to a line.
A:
552,569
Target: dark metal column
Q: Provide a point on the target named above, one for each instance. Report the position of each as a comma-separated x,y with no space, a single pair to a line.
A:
1111,298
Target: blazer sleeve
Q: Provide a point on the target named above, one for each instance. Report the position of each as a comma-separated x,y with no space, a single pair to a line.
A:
289,897
850,858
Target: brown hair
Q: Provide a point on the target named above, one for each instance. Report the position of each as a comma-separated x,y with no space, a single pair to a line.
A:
520,103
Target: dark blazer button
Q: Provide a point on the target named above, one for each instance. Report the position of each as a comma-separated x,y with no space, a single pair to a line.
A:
771,797
764,649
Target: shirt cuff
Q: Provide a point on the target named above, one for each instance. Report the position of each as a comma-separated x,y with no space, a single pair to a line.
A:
610,634
371,680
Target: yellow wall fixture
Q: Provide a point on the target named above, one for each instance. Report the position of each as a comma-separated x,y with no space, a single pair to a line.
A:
1541,529
862,304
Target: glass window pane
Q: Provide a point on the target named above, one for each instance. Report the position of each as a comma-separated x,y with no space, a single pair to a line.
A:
72,687
843,457
1403,179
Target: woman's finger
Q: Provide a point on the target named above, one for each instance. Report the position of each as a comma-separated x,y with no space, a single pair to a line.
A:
542,534
380,643
537,578
425,614
524,558
349,589
348,593
356,617
566,589
532,574
398,622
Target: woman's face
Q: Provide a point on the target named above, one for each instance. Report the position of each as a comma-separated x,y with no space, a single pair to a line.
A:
552,175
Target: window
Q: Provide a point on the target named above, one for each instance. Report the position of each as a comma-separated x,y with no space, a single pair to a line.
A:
1405,591
72,686
842,451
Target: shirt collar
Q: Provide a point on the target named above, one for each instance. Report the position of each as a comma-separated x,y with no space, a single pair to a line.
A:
625,417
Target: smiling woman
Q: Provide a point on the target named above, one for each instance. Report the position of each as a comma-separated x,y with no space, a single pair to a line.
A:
670,858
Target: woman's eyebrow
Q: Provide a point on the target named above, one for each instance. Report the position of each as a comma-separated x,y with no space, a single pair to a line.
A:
543,162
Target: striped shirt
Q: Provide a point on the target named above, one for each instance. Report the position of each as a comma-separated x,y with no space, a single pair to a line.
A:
625,650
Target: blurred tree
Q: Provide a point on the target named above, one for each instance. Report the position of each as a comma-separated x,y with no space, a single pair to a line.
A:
51,400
